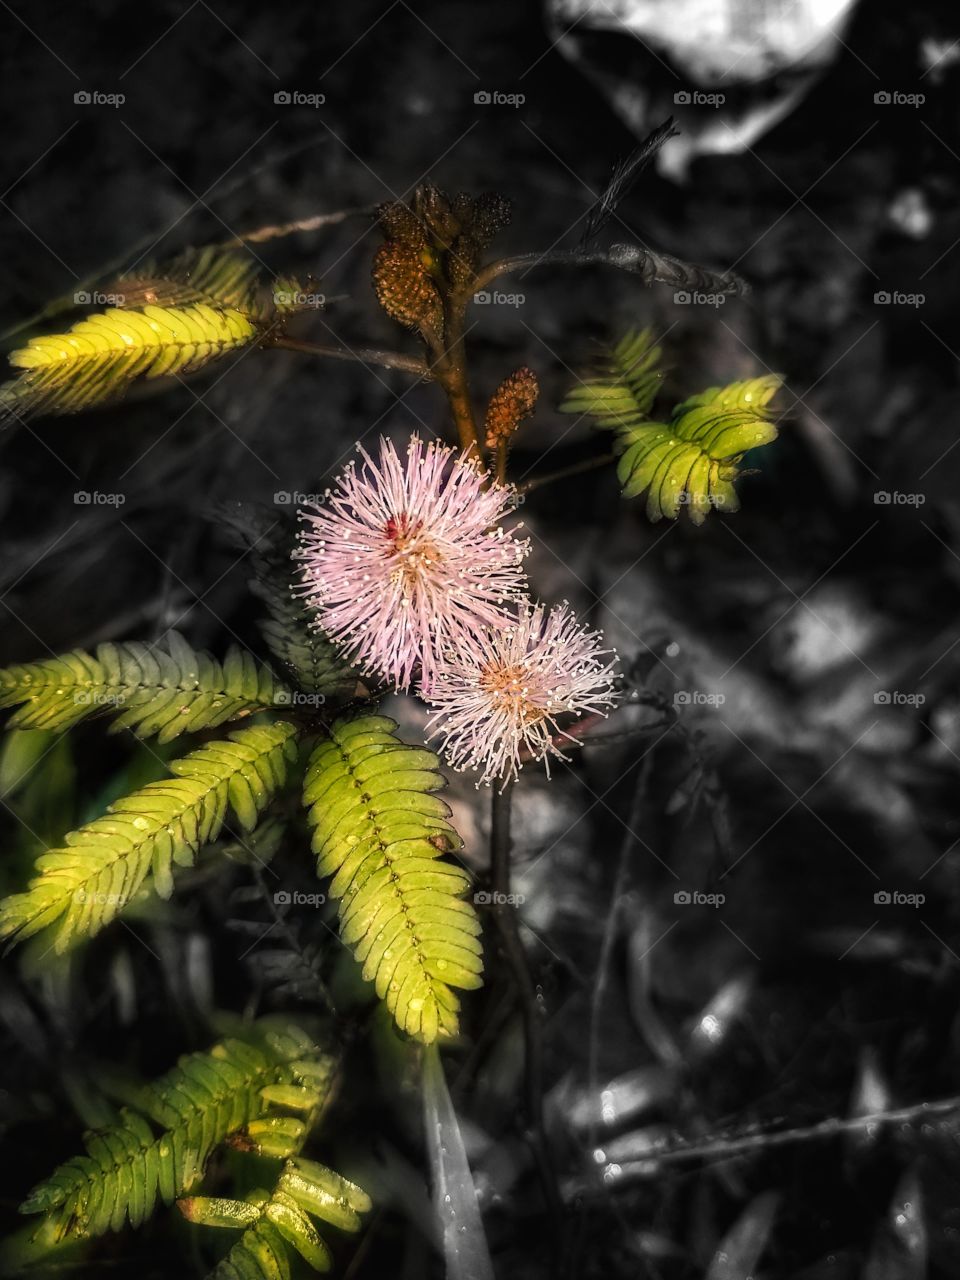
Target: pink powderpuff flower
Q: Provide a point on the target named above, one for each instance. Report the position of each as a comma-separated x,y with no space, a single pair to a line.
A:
404,560
498,701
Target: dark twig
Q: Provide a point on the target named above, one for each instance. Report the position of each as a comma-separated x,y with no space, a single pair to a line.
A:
603,967
623,178
504,915
261,234
652,267
579,733
610,930
624,735
724,1148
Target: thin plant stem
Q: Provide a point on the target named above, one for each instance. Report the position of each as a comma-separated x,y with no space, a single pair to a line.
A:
575,469
450,371
503,450
365,355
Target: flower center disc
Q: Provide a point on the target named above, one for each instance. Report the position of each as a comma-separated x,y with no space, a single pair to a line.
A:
412,552
510,685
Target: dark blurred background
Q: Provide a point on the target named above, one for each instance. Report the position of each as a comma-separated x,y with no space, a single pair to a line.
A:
822,620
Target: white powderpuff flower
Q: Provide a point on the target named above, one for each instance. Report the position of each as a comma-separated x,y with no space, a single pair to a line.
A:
496,701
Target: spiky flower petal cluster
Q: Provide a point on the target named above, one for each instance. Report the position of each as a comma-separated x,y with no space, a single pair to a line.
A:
498,701
406,559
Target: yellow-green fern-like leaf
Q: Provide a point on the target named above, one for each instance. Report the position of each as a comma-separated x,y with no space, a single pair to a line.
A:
102,355
163,1140
279,1220
314,662
695,459
84,885
163,689
218,276
379,830
621,394
691,461
214,275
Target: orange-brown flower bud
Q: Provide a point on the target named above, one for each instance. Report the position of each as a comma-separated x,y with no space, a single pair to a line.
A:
432,245
400,223
491,213
404,286
513,400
